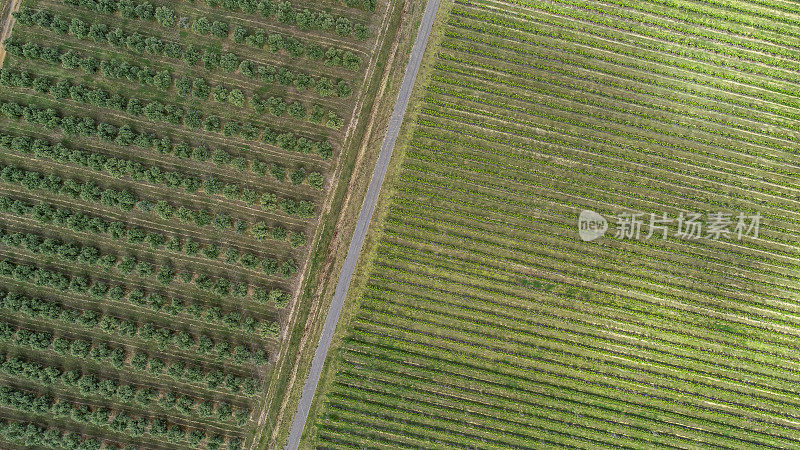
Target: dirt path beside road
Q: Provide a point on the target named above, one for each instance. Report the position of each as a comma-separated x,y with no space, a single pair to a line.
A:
7,25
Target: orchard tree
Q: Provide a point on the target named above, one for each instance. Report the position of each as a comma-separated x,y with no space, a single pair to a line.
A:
165,16
236,97
201,25
297,110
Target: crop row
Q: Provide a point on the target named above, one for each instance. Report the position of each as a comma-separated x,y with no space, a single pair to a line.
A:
79,222
666,86
736,324
163,337
592,345
697,61
98,416
119,358
434,413
494,286
192,118
494,388
86,126
689,196
125,199
780,225
156,111
421,336
210,56
496,45
304,19
669,261
90,385
32,435
457,125
440,139
549,264
117,68
176,312
559,313
182,150
438,135
258,38
669,41
452,77
119,168
669,312
90,192
220,286
782,147
617,103
758,308
678,22
87,255
522,127
686,70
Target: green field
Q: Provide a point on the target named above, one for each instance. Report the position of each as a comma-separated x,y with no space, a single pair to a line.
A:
163,169
483,321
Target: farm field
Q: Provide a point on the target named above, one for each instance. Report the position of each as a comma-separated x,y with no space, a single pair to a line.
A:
483,320
163,169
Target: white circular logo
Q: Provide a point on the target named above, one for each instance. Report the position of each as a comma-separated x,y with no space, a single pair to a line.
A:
591,225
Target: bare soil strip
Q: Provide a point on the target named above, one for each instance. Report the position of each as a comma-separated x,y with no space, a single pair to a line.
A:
5,28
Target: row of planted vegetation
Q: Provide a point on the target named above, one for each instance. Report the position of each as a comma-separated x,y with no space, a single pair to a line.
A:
162,167
486,322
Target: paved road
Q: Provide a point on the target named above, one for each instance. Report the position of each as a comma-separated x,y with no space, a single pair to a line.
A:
367,208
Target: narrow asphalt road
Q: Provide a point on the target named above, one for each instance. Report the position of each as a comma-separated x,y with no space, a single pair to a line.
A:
367,208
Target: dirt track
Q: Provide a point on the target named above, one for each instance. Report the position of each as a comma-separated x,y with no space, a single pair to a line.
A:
5,28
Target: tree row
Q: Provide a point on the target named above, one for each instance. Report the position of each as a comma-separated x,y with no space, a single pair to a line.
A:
128,137
210,56
116,68
80,222
90,192
99,416
174,308
118,168
70,252
218,349
90,384
28,434
257,37
119,358
157,111
87,127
